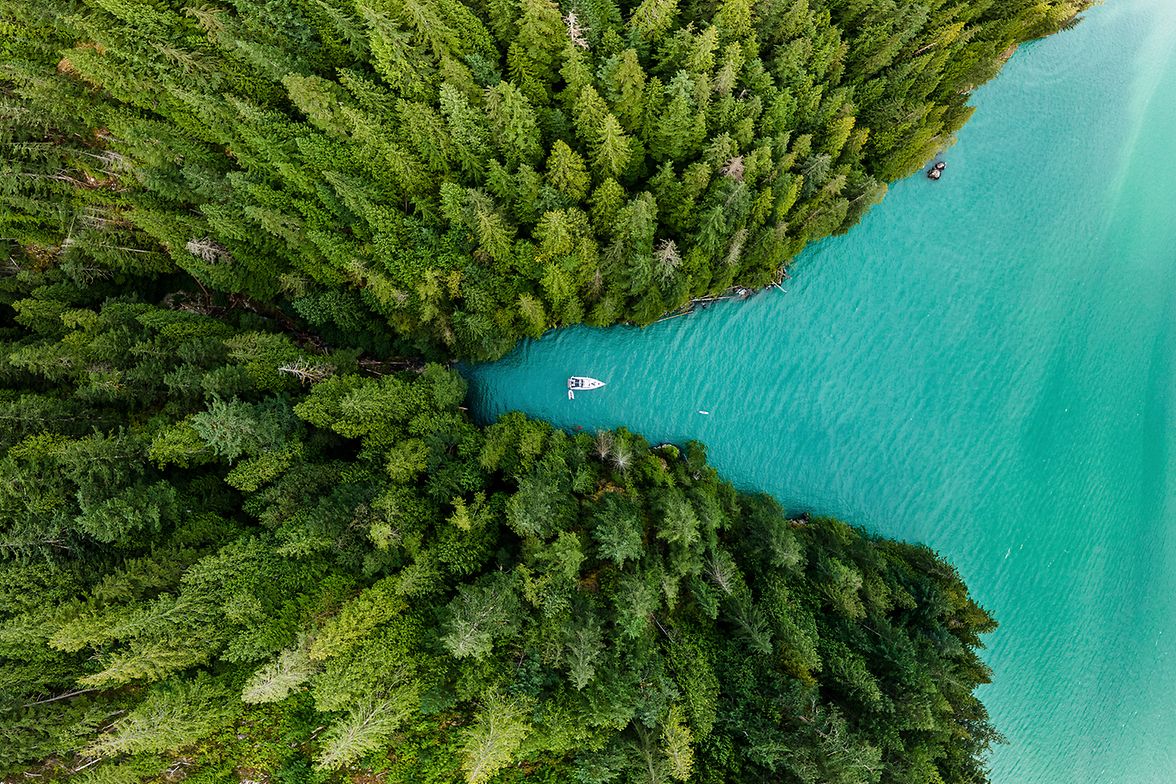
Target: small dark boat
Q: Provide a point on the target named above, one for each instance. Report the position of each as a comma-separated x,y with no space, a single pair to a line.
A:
935,174
941,166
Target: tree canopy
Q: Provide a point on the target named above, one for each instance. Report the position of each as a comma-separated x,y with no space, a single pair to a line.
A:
226,556
460,173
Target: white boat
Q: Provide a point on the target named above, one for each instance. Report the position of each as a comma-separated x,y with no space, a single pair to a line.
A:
582,383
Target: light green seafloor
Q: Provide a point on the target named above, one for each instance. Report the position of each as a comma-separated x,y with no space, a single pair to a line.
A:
986,364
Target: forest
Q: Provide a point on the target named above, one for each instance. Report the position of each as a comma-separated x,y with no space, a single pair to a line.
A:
442,177
248,530
216,570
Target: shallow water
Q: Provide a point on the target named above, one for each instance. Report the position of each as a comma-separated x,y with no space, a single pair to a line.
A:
985,364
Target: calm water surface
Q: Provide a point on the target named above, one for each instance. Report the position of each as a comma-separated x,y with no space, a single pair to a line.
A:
985,364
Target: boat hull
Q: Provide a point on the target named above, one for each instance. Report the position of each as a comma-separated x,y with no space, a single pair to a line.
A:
582,383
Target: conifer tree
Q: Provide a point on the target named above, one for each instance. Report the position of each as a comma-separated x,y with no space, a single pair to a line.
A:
249,147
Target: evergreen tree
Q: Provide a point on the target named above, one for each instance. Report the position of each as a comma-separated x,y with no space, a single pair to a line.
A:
308,155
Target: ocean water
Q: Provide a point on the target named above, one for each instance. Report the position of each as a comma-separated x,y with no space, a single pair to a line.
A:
986,364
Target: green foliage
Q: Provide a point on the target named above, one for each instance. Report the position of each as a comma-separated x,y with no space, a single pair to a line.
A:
278,679
366,728
451,175
498,730
218,551
171,716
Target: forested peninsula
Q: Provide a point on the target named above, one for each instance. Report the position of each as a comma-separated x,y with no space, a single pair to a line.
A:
444,177
215,572
249,533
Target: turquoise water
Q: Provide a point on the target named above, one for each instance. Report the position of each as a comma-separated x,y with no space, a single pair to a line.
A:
985,364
